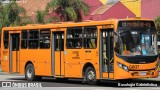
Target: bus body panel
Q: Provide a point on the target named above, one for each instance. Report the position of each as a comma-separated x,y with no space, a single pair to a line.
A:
22,67
40,59
73,61
5,60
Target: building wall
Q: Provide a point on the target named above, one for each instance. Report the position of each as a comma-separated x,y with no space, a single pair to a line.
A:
134,6
118,11
93,3
150,8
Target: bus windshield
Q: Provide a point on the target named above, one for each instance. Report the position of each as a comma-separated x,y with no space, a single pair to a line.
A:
134,39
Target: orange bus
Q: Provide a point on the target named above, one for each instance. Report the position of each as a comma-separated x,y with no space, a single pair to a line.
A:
93,50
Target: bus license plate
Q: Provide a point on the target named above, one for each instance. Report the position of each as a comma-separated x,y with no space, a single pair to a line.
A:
143,73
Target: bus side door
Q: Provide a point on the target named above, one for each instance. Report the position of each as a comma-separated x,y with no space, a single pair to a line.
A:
106,57
58,53
14,52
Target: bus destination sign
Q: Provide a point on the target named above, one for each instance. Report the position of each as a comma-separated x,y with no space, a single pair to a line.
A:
136,24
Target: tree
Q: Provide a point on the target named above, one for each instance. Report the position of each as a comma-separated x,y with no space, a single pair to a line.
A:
68,9
10,14
157,22
25,20
40,16
0,4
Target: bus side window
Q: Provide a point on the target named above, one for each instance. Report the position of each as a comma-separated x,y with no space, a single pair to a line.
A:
90,37
24,37
45,39
33,39
6,39
74,37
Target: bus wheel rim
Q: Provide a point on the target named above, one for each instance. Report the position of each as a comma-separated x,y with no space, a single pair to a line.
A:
29,72
91,75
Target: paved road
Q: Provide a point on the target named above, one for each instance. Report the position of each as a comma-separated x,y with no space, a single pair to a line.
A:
77,84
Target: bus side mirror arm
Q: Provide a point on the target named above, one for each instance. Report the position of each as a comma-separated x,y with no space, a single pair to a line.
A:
116,37
115,49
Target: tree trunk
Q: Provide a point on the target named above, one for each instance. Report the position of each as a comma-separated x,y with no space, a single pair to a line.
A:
65,17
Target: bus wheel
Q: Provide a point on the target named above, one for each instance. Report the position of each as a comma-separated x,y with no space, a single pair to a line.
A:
30,73
90,76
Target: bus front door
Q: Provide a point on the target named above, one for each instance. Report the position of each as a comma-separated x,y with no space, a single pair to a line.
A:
14,52
106,57
58,53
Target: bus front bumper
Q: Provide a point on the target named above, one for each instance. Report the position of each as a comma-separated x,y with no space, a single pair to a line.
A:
121,74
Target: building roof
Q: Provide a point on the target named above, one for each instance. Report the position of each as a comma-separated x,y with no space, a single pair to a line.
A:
108,11
32,6
102,9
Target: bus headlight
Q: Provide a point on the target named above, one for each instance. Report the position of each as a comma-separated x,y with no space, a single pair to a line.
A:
124,67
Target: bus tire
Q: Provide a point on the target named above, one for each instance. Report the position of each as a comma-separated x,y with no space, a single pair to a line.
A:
90,76
30,73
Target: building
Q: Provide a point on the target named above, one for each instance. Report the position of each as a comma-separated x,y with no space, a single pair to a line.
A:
31,6
150,9
113,10
133,5
99,10
143,8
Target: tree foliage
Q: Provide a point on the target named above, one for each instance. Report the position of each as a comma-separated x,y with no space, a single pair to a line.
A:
43,18
40,16
11,14
157,22
68,9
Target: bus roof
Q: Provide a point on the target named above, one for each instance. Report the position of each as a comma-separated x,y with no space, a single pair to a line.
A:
71,24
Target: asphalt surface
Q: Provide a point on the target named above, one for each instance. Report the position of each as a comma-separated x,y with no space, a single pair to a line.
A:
19,82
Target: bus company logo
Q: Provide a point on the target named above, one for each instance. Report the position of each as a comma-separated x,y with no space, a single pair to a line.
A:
6,84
